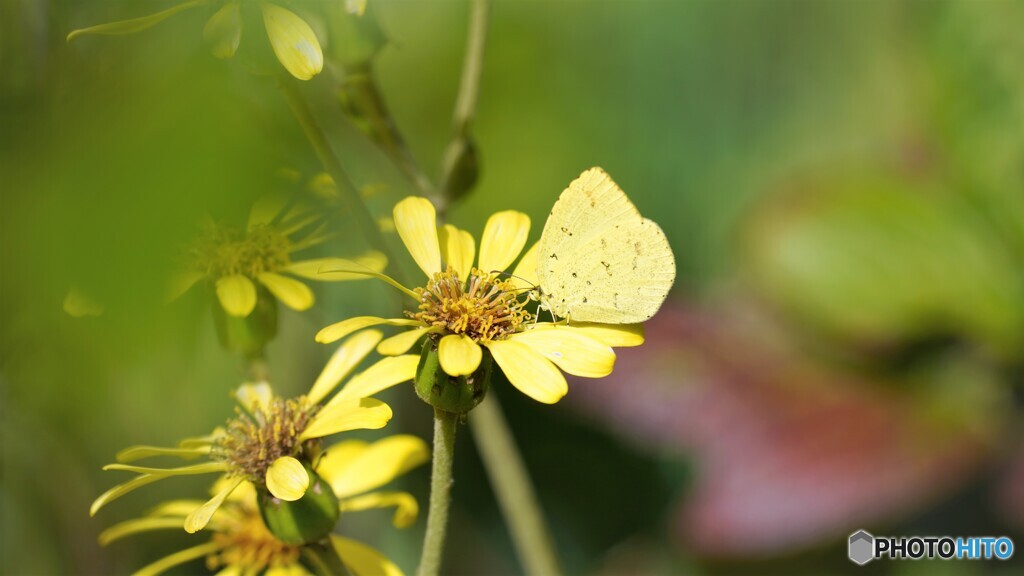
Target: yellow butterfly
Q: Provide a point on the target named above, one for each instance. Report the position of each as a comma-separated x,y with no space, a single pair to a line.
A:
599,259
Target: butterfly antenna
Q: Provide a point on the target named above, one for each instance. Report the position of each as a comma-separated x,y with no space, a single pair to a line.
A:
510,275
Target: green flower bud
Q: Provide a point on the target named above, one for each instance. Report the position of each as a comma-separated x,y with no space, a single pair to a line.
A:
308,519
455,394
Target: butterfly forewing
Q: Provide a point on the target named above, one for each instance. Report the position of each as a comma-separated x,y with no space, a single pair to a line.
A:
599,260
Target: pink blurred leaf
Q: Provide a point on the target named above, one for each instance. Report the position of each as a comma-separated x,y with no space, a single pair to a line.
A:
789,454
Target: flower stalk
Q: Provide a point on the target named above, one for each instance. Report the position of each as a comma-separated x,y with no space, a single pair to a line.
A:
459,168
347,191
440,493
511,483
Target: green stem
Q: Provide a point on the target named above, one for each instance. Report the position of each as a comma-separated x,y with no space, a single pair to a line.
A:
461,145
366,107
352,203
440,493
323,559
511,483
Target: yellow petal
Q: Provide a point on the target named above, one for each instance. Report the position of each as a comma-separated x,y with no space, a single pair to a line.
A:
181,283
287,479
386,373
362,560
416,222
525,274
401,343
204,468
135,24
244,494
166,563
406,507
137,525
251,395
294,569
458,249
322,268
291,292
358,469
237,570
122,489
614,335
293,41
339,330
224,30
237,294
353,414
344,359
78,305
133,453
459,355
530,372
175,508
198,520
339,455
504,237
570,349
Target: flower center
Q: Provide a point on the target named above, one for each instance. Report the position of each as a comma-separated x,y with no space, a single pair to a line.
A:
484,308
253,441
248,544
224,251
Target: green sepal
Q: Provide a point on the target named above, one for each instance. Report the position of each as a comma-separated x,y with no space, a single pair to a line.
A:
308,519
455,394
248,335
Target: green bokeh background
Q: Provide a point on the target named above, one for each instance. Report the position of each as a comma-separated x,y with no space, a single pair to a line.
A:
113,149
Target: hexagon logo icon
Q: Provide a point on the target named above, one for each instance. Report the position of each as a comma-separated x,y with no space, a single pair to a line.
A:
861,547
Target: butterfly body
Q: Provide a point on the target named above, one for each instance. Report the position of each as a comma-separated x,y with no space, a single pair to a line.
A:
600,260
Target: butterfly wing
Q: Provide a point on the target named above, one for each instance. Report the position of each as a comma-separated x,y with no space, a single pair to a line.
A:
599,260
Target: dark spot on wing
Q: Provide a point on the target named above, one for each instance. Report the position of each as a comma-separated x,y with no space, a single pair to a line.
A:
553,256
565,230
584,299
573,274
607,267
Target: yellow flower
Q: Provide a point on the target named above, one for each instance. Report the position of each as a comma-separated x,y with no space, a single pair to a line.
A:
242,544
292,39
273,442
234,262
465,308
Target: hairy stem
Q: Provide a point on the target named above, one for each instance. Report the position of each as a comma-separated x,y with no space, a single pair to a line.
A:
511,483
440,493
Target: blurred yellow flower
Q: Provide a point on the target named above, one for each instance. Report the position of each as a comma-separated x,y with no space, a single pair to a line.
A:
234,261
293,40
273,443
465,308
240,542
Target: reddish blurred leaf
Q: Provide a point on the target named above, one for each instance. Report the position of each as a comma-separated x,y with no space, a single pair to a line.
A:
789,453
